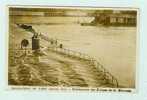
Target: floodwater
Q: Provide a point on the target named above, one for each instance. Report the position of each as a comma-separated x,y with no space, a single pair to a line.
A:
113,47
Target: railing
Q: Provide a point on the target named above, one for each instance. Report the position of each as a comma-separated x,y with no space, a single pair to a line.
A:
16,54
41,35
107,75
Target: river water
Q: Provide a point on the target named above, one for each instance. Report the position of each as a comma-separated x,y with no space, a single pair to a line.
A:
113,47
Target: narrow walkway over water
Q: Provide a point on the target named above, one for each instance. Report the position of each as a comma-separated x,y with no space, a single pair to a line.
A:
62,67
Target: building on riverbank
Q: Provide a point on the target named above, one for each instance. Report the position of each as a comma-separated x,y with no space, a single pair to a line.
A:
120,20
116,19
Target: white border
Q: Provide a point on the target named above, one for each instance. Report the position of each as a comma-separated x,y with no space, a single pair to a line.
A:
69,89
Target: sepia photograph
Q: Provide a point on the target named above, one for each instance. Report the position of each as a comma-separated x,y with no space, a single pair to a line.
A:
72,47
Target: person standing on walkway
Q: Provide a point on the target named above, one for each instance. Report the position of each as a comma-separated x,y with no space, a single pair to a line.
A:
61,45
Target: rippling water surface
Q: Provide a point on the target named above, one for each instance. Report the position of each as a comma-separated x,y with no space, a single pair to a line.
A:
114,47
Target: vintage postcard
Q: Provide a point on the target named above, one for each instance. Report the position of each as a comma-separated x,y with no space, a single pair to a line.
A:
72,47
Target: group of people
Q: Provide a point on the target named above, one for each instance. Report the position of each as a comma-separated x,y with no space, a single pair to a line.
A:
55,42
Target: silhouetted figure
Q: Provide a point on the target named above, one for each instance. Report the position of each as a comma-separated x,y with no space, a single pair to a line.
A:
52,42
61,45
56,42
